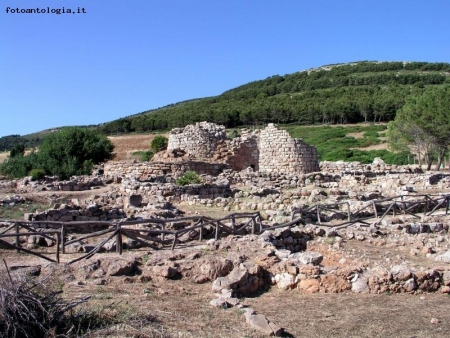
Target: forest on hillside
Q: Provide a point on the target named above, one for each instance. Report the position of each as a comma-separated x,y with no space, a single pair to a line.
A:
7,143
343,93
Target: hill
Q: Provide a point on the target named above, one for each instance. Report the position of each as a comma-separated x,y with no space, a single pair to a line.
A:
341,93
30,141
365,91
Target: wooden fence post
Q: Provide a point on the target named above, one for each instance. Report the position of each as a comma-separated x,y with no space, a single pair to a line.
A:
58,242
175,239
17,237
63,238
119,239
216,237
260,222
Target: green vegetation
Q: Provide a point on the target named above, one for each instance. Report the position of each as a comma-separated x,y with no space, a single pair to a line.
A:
17,150
17,210
346,93
159,143
66,152
7,143
423,126
144,156
189,177
335,144
37,174
365,91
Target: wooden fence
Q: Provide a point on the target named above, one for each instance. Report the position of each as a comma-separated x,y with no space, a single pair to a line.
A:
160,233
425,204
147,232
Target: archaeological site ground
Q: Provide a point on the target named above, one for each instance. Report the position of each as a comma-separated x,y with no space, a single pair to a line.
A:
267,241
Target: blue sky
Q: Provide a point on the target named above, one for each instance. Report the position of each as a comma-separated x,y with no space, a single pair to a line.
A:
125,57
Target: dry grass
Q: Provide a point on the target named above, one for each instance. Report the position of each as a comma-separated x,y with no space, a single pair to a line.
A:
356,135
125,145
3,156
351,315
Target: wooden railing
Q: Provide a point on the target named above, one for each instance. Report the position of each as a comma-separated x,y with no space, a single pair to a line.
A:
151,232
162,233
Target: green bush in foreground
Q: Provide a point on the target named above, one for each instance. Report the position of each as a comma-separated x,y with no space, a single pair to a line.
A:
189,177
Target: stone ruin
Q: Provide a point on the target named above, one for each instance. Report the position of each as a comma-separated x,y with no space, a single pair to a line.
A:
278,152
269,150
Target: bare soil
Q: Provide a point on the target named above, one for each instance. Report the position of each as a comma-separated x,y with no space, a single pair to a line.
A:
180,308
125,145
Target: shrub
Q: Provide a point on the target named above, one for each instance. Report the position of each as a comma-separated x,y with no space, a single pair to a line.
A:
37,174
19,166
159,143
234,133
18,150
67,152
144,156
189,177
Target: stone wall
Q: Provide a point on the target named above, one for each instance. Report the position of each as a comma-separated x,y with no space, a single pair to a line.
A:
144,170
76,183
279,152
173,193
69,213
243,151
200,140
271,150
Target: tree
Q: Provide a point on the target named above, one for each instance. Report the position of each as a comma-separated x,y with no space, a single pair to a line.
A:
73,151
424,124
69,151
18,150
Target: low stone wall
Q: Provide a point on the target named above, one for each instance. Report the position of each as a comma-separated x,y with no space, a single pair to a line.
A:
66,213
145,170
76,183
173,193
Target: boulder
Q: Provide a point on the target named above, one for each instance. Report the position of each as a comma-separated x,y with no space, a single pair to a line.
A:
285,281
360,285
212,268
261,323
400,273
311,285
309,257
233,281
445,257
120,266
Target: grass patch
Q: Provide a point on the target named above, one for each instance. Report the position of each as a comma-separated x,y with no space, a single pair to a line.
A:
143,156
333,143
17,211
